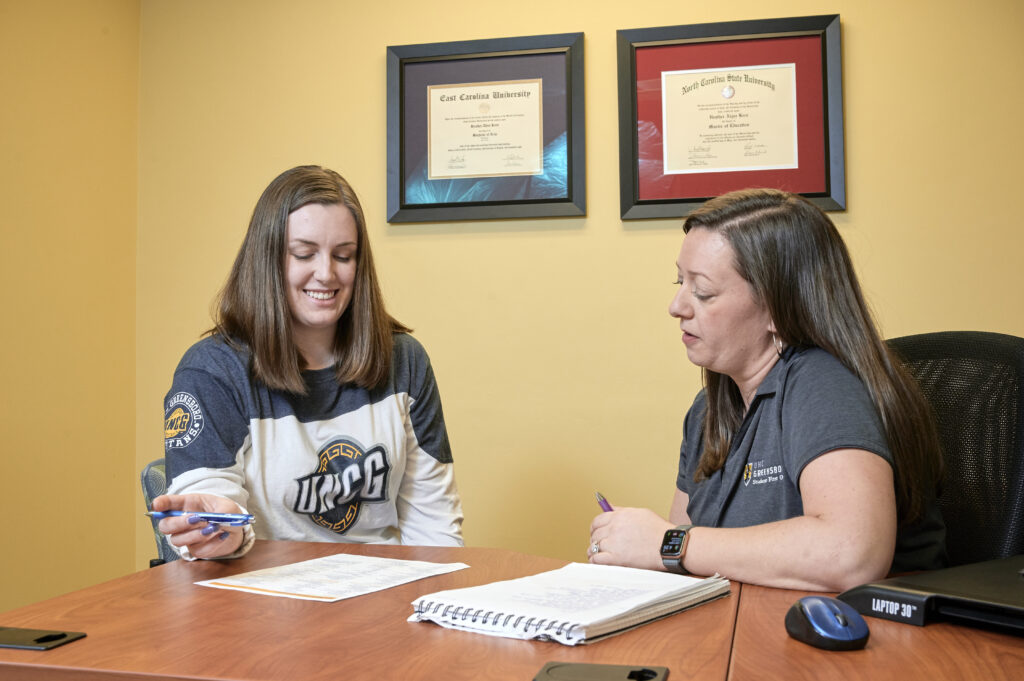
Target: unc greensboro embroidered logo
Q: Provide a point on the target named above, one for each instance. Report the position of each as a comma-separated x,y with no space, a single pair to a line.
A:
183,420
346,477
758,473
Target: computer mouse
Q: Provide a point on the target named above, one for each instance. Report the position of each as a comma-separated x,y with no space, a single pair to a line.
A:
827,623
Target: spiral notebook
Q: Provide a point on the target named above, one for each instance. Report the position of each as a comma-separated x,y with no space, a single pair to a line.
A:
579,603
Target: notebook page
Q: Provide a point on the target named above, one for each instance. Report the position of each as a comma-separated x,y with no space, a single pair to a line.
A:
556,602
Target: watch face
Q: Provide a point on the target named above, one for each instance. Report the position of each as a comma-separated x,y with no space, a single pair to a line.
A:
673,542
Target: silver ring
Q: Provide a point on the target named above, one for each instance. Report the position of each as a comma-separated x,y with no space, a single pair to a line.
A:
594,548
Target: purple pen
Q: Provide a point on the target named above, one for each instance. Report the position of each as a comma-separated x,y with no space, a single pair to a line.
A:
602,502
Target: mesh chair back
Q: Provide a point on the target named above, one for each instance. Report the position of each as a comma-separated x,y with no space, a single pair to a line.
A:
154,483
973,380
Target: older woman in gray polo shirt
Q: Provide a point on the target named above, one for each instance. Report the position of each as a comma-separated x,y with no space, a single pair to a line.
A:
810,459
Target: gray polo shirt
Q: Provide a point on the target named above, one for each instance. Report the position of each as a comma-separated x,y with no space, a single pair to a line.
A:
808,404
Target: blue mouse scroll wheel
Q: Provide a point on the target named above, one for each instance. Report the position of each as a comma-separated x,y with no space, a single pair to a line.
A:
841,618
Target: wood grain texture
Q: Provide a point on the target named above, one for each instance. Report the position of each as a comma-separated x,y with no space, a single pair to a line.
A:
157,624
898,652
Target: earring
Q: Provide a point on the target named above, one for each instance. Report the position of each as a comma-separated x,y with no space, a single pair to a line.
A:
778,343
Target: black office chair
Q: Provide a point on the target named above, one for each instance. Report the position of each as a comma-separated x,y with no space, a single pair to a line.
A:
975,382
154,483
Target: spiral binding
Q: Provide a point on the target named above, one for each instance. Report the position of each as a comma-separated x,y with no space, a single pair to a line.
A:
460,614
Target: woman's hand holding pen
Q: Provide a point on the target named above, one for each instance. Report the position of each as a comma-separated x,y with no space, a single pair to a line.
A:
628,536
203,539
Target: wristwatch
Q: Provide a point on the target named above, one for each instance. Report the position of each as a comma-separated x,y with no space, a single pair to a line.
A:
673,548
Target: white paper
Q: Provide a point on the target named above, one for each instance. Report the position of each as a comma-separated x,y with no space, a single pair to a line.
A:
332,578
493,129
728,120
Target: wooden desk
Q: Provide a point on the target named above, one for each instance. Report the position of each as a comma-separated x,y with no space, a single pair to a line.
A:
156,624
901,652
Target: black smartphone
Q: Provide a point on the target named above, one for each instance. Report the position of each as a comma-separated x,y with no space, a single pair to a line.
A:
36,639
592,671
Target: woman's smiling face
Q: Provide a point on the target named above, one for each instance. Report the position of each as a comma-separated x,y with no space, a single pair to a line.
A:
320,268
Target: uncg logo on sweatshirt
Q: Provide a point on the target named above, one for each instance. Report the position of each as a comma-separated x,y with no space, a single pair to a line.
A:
347,476
183,420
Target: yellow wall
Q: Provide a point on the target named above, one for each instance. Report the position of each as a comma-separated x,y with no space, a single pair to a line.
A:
560,370
68,144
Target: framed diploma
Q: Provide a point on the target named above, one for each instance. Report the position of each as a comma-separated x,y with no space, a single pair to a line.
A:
706,109
486,129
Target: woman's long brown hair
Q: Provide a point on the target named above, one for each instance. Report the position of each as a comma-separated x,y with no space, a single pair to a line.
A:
253,307
798,267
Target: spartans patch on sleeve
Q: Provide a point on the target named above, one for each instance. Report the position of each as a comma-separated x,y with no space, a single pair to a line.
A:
183,420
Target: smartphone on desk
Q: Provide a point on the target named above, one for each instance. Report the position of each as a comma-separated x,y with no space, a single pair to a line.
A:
592,671
36,639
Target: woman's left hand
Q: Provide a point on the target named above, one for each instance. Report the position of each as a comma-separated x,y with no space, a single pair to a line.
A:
628,536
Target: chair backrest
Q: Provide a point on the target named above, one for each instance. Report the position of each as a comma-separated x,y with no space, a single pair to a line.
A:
973,380
154,483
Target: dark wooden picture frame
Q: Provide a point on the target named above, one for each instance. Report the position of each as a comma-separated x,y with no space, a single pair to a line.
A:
646,192
560,190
